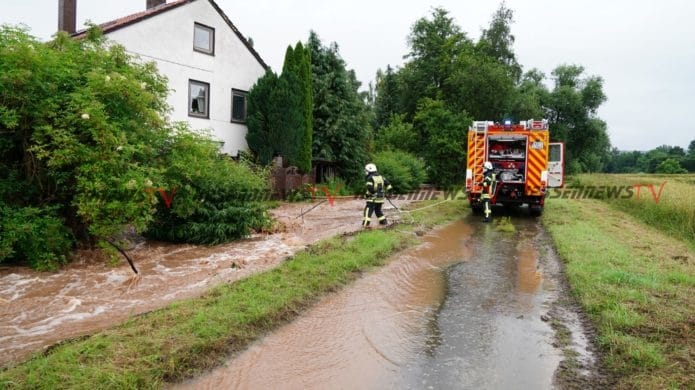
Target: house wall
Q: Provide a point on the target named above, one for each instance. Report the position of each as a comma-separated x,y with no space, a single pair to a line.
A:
167,38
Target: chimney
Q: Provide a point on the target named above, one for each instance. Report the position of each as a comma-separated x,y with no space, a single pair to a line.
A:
67,15
154,3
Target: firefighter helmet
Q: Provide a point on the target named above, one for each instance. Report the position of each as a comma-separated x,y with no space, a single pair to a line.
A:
487,165
370,168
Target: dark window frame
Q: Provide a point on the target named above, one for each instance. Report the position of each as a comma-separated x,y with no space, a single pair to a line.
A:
189,104
239,92
211,51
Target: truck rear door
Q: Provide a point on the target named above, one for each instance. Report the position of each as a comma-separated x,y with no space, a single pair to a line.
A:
556,164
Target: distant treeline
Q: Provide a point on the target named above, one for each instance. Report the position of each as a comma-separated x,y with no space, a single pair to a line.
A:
663,159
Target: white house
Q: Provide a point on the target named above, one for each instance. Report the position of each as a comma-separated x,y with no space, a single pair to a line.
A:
209,63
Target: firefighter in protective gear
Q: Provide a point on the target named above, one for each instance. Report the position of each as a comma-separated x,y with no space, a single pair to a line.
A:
377,186
489,183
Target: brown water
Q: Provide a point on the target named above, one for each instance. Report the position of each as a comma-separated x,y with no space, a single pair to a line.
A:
356,338
40,309
461,311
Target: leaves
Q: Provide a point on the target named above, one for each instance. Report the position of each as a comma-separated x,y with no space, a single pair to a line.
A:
84,142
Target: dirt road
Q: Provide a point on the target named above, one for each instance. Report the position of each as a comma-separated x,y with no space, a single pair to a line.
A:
472,307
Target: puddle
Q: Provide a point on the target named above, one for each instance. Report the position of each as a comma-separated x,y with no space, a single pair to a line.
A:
461,311
490,328
358,337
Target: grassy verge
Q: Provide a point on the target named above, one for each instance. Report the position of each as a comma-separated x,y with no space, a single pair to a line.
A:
636,283
194,335
664,201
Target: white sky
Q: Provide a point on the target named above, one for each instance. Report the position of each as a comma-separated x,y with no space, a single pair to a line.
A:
643,49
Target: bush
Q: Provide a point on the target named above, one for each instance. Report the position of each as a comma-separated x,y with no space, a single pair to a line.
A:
403,170
34,235
397,135
85,140
210,199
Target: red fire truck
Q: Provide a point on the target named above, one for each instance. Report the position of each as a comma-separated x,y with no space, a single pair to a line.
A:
524,161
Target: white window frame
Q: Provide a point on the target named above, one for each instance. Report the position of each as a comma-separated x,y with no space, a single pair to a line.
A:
211,43
205,113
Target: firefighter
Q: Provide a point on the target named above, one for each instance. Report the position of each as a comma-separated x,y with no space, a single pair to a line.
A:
489,183
377,186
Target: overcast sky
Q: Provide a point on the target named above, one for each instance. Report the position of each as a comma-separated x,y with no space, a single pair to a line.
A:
643,49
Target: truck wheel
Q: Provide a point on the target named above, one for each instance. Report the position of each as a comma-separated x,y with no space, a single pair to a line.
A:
477,210
536,210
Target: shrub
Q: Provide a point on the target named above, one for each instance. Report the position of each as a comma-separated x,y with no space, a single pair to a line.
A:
403,170
210,199
34,235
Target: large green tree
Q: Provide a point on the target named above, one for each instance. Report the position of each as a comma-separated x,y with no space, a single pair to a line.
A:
444,137
297,72
497,41
341,118
386,103
531,96
264,135
572,110
436,45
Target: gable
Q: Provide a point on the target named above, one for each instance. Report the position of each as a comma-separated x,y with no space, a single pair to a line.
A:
147,15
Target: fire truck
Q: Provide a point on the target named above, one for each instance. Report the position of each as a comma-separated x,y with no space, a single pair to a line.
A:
524,161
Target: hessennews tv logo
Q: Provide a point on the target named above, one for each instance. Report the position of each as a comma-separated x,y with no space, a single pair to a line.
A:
322,192
609,192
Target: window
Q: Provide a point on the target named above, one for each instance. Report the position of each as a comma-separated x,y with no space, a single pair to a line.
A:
198,99
238,105
203,39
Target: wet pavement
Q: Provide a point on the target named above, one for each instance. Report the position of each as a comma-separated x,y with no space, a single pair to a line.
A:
467,310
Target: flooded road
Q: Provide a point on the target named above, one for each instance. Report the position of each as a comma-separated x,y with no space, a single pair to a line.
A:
40,309
463,310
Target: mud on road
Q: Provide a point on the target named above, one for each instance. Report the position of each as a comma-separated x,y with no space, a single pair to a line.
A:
472,307
38,309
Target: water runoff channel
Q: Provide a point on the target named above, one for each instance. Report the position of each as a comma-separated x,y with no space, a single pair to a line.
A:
463,310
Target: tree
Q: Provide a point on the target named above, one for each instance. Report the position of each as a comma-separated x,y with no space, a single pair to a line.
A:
299,110
531,97
497,40
671,166
435,47
386,103
572,107
444,148
397,135
264,136
341,116
480,86
280,112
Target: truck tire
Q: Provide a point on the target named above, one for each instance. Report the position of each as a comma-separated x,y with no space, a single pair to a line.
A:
535,210
477,209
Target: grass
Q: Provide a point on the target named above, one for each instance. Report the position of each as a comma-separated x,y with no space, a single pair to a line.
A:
195,335
664,201
635,281
504,224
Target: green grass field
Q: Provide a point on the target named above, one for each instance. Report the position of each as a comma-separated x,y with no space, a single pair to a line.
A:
664,201
630,263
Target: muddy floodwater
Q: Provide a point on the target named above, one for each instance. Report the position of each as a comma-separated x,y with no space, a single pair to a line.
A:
40,309
466,309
